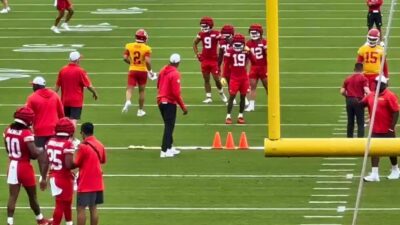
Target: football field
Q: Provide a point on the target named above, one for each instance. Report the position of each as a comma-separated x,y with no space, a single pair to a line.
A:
319,40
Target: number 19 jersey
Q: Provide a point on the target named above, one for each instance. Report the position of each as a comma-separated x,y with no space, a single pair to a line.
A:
371,58
137,53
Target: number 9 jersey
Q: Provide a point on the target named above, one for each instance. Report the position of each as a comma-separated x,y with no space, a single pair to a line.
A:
137,53
209,42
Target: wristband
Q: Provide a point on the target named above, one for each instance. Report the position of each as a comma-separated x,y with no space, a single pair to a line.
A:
391,130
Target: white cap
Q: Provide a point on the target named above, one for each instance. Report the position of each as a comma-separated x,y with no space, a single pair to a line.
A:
382,78
73,56
39,81
175,58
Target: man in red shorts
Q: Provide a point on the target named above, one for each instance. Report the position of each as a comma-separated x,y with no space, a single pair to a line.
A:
209,56
20,146
258,70
61,6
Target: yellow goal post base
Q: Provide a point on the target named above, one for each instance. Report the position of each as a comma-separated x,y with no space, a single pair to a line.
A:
330,147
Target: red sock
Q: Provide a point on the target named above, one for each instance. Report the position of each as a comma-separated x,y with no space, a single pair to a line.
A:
68,210
58,212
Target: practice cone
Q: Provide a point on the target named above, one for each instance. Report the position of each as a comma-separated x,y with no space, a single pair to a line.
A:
217,144
243,142
230,144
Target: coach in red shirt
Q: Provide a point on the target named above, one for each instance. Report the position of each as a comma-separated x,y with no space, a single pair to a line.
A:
386,116
169,95
354,88
48,110
374,14
72,79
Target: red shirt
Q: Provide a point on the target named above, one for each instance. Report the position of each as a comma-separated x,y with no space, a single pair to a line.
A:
374,5
169,86
72,79
89,163
56,149
210,44
236,64
354,85
48,110
259,50
16,143
387,105
224,44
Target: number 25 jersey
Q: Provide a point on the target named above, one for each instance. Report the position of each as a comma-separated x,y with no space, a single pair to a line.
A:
56,149
137,53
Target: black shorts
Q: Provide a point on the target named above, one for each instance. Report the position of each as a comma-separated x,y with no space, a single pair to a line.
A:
73,112
374,18
384,135
40,141
89,198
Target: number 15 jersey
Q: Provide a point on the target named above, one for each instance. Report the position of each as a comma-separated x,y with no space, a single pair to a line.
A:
137,53
371,58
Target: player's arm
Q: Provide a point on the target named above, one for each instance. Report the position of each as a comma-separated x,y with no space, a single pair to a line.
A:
196,49
220,56
343,91
69,160
58,83
176,92
385,69
126,57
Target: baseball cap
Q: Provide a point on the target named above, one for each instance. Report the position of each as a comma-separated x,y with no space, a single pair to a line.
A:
382,78
175,58
73,56
39,81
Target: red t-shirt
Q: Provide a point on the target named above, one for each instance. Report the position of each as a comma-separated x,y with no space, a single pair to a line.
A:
236,64
16,146
209,41
169,86
72,79
387,105
259,51
56,149
90,173
48,110
376,5
354,85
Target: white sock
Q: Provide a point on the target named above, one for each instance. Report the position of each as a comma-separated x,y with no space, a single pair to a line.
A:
395,167
39,217
69,223
228,116
127,103
375,170
208,95
240,115
10,220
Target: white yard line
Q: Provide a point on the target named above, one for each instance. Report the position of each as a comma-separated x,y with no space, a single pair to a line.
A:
330,196
339,164
332,182
336,170
323,217
340,158
327,202
331,188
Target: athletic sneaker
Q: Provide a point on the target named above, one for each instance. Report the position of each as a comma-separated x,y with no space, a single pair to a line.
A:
3,11
65,26
228,121
55,29
167,154
207,100
249,109
174,151
234,101
141,113
246,101
395,174
240,120
372,178
126,106
44,221
223,97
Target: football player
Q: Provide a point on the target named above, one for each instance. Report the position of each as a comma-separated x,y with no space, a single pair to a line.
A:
235,61
137,55
225,42
370,55
20,146
62,6
60,150
258,70
6,7
209,56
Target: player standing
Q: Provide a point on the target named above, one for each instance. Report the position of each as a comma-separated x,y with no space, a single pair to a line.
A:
374,14
225,42
137,55
20,146
6,7
235,61
258,70
62,5
208,56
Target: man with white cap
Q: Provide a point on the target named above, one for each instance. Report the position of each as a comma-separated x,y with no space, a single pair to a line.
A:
48,110
169,95
72,79
386,116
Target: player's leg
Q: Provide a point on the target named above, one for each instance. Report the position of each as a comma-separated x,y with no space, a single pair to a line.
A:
228,119
131,83
58,211
54,28
378,21
350,117
207,87
374,175
252,94
12,200
82,201
216,75
34,204
141,79
242,105
94,216
68,17
370,20
359,111
81,215
68,212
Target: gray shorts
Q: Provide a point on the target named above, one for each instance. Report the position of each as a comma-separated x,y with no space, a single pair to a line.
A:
89,198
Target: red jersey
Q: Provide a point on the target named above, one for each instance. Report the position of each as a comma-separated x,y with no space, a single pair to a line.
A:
48,110
169,86
72,79
387,105
209,41
224,44
56,149
236,63
354,85
374,5
89,163
259,51
16,146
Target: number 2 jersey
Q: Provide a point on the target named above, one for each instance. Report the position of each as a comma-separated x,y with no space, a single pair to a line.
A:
16,143
371,58
56,149
209,42
137,52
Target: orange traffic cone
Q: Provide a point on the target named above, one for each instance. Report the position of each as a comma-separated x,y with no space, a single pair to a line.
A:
230,144
243,142
217,144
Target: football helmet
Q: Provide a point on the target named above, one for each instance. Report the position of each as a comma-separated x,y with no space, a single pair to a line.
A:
141,36
24,115
373,37
255,31
65,127
227,31
238,42
206,24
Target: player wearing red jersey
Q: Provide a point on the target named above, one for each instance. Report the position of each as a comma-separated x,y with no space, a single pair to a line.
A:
60,151
61,6
235,62
227,33
19,143
258,70
208,56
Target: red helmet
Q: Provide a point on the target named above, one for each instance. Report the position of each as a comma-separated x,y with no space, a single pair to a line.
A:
65,127
373,37
24,115
255,31
206,24
227,31
141,36
238,42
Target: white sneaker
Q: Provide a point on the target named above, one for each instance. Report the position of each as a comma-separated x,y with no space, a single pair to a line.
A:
55,29
249,109
3,11
234,101
395,174
207,100
141,113
65,26
174,151
167,154
246,102
223,97
372,178
126,106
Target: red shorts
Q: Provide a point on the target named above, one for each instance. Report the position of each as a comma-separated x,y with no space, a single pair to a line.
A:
238,85
65,185
63,5
137,78
371,81
21,172
258,72
209,66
